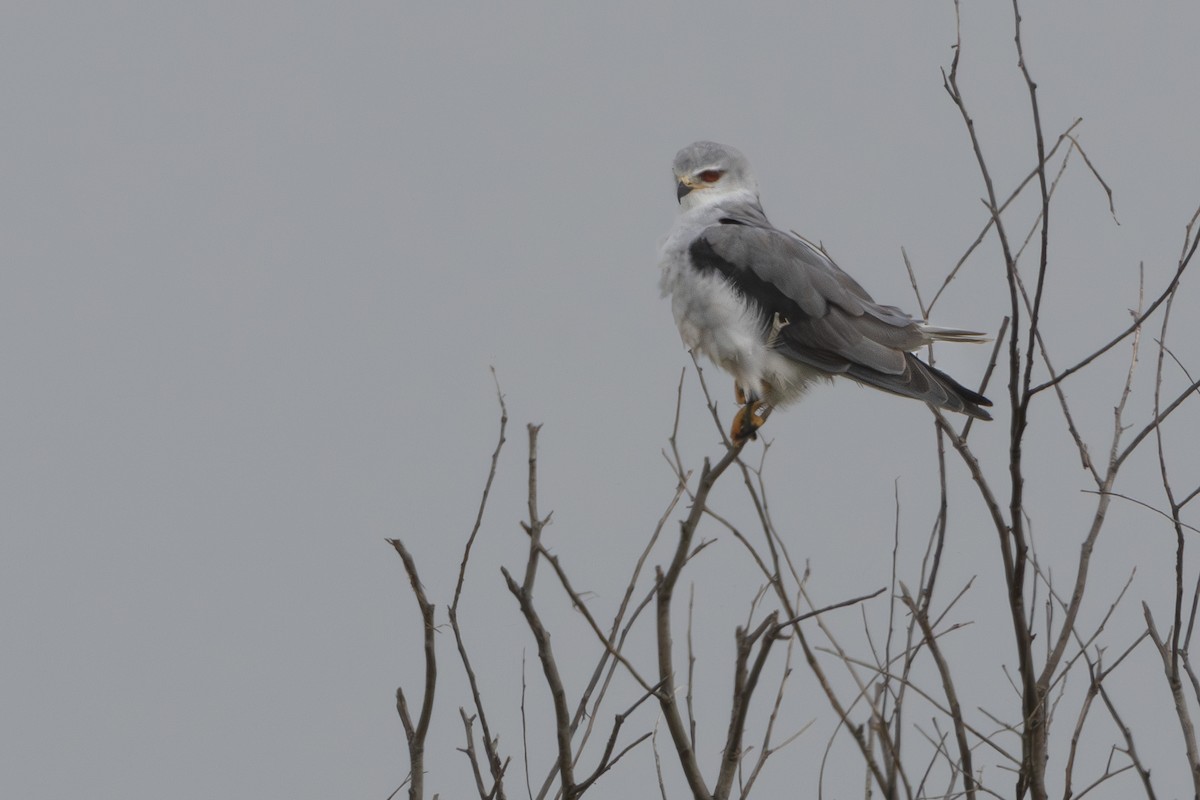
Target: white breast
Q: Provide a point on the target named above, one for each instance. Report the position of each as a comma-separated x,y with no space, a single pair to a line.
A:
715,320
712,317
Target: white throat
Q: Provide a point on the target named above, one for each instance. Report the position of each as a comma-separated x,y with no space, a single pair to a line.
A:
699,200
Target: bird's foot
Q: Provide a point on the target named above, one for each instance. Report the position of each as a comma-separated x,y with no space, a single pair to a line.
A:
739,394
748,420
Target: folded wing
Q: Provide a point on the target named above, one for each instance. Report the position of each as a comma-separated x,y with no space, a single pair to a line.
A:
831,322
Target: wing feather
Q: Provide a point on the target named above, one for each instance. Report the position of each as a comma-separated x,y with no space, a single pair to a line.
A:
832,323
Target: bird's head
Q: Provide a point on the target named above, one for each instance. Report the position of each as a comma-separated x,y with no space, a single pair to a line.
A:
706,172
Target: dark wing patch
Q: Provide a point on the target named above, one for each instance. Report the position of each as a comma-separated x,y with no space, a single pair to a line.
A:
780,267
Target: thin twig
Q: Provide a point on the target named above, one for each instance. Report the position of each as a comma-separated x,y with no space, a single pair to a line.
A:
1184,262
487,488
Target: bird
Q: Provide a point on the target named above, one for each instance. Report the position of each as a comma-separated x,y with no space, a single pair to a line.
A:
773,310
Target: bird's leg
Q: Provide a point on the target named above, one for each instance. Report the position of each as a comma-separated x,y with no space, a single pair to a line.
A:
750,417
754,411
778,323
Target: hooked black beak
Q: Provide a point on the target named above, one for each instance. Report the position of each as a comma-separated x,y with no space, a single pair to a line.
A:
681,189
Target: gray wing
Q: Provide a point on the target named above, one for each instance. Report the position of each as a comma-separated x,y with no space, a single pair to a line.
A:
833,324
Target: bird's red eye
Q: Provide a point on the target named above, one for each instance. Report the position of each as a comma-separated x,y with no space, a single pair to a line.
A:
711,175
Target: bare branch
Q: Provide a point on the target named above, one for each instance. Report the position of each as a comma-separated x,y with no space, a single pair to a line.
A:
495,766
1130,749
744,684
991,219
525,735
1172,286
817,612
536,524
1158,420
765,750
577,602
662,789
415,734
956,716
1095,172
469,751
1146,506
524,594
487,488
1181,707
689,700
608,760
489,744
665,590
618,621
558,695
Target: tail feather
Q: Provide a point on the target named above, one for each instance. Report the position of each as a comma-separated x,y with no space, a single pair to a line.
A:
929,384
936,334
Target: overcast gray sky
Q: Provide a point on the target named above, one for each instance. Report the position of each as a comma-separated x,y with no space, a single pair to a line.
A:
259,257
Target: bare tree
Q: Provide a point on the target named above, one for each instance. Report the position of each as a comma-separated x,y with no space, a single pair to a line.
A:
904,686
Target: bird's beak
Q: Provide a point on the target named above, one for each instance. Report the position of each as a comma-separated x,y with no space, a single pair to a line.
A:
681,189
